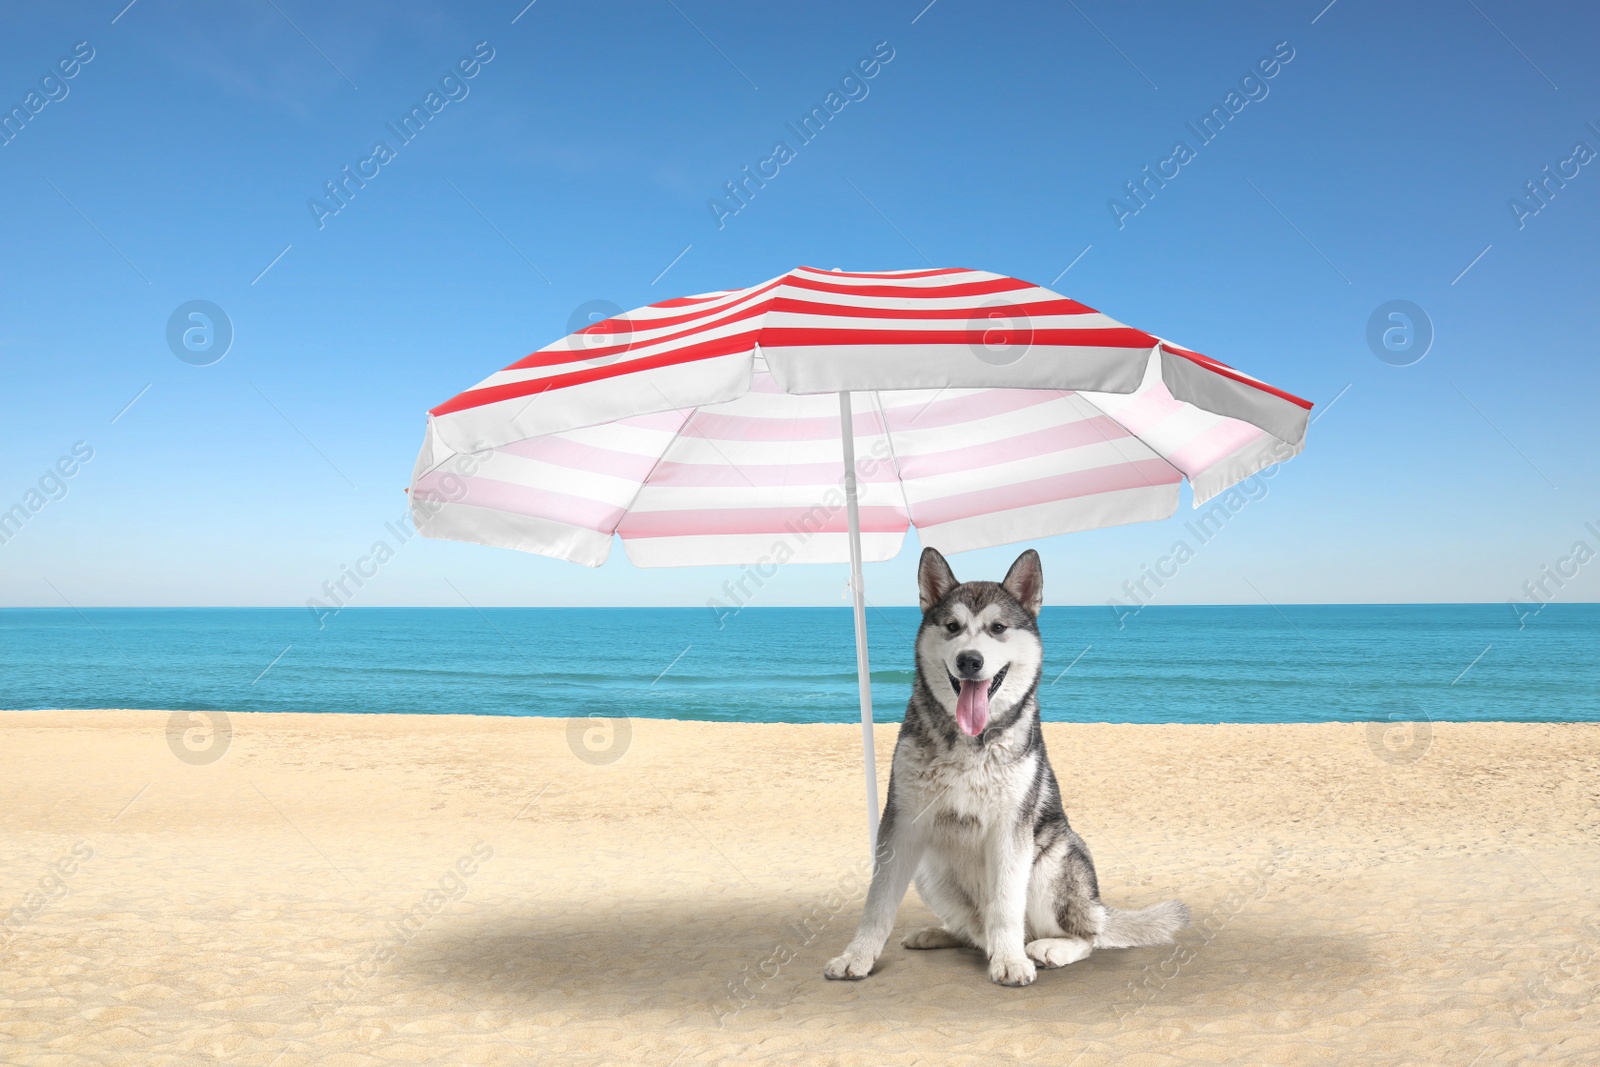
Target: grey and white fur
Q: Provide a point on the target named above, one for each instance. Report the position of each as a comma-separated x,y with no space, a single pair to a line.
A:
974,812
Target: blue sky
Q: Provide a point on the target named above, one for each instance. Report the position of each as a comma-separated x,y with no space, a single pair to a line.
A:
176,164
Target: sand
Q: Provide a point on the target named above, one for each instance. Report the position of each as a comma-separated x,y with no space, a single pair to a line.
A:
368,890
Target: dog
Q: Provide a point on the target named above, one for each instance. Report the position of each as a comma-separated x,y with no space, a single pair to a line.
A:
974,812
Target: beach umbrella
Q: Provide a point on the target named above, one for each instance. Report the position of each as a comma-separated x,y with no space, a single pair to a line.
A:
817,416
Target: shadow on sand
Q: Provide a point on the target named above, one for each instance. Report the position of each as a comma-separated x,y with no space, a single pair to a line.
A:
722,959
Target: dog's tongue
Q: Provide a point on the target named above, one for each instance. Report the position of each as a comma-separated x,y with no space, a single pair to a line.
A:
972,707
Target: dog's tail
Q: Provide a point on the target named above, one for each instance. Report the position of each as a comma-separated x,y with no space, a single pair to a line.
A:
1156,925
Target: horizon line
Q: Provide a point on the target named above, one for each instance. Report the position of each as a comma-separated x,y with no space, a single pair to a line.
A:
763,607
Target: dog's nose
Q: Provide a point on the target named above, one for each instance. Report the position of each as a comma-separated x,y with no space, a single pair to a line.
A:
969,663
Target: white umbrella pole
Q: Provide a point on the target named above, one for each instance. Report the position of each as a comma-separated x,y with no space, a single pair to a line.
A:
863,674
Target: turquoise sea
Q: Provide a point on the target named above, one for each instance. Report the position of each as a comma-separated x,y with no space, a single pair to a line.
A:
1167,664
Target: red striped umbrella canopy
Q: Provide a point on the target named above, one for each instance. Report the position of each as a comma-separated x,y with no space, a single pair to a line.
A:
707,429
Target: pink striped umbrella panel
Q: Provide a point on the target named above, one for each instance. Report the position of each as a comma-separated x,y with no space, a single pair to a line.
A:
707,429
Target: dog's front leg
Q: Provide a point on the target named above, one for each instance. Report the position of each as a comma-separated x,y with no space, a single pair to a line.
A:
898,853
1005,911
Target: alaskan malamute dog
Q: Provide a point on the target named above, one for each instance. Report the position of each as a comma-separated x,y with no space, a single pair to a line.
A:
974,812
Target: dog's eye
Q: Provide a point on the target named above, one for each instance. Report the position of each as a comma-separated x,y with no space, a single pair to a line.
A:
997,628
952,627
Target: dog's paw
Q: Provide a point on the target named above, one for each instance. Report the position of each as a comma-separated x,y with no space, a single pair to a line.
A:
1058,951
932,937
850,967
1018,971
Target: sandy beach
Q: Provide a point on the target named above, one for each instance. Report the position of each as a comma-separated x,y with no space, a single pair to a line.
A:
364,890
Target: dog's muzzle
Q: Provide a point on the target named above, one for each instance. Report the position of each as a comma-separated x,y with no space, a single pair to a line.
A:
972,699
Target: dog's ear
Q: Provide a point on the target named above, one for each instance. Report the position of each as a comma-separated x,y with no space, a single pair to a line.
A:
1025,581
934,579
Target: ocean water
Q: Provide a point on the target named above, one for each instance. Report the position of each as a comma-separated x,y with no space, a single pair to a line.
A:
1167,664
